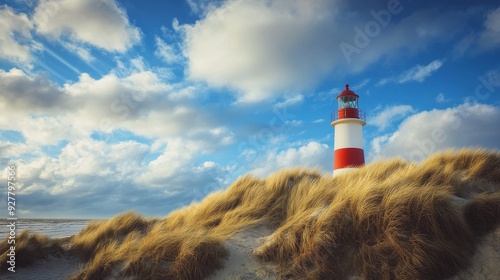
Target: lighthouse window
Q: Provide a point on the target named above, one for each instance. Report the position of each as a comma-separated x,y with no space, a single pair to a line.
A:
348,101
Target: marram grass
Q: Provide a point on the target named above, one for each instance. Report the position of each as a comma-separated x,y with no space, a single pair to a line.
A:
388,220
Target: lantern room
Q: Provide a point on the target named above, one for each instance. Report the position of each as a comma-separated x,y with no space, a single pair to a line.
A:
348,105
347,99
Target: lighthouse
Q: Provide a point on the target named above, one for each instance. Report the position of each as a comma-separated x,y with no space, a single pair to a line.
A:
348,122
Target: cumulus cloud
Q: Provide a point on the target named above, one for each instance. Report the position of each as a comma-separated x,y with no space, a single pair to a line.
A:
10,150
96,171
262,49
177,157
14,49
100,179
20,92
47,113
421,134
253,46
390,115
312,155
103,24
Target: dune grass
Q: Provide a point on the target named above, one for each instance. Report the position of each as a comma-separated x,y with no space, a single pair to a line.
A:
100,234
29,248
388,220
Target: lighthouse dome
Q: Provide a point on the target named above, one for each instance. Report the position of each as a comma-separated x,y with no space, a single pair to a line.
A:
347,92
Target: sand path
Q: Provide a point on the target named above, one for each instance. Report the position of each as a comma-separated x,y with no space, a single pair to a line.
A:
486,262
241,264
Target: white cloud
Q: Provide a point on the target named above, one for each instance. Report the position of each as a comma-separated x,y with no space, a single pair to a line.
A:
201,6
165,51
10,150
100,178
421,134
293,123
406,34
440,98
175,158
419,73
361,85
289,101
47,113
83,52
79,162
390,115
490,37
45,130
486,39
20,93
12,49
187,93
97,179
383,81
262,49
100,23
310,155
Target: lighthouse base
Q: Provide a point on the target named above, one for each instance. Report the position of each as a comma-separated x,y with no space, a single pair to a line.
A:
343,170
344,157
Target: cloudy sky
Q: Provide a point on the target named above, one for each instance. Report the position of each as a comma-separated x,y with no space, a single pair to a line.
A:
112,105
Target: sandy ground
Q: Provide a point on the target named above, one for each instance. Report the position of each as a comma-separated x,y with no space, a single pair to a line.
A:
54,268
241,265
486,264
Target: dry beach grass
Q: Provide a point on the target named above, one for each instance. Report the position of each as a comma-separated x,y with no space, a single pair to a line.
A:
388,220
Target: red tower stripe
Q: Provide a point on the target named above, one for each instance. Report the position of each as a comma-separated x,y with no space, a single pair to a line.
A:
348,113
347,157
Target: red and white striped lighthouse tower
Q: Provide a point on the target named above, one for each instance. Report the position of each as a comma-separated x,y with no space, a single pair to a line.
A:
348,122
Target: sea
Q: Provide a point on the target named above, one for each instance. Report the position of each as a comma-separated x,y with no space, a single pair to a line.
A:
53,228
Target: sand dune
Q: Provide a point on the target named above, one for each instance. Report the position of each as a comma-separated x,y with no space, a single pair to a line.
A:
388,220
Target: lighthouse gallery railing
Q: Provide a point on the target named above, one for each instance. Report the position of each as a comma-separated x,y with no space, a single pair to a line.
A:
348,113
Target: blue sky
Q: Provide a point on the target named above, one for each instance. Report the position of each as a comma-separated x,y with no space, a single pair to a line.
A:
150,105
